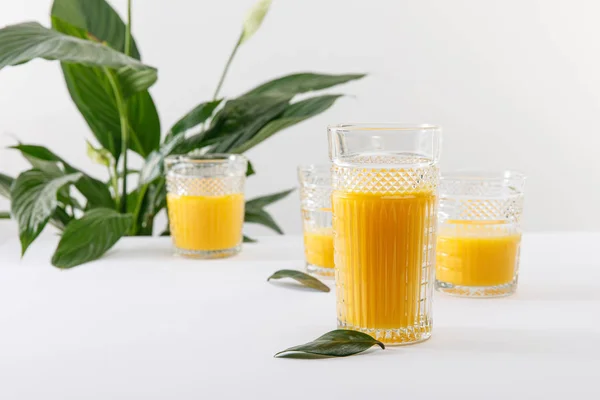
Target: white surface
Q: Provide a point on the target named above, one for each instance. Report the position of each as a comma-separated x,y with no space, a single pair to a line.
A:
142,324
514,83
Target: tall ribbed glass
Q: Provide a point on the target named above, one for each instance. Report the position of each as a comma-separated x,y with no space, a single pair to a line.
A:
384,201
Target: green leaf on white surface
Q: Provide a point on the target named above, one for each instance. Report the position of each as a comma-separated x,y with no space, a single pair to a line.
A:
302,278
337,343
4,215
254,19
34,201
89,237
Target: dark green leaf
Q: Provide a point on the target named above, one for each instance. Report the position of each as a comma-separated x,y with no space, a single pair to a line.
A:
291,85
34,200
166,232
263,201
338,343
4,215
248,239
294,114
96,17
195,117
262,217
88,238
89,86
250,171
95,191
5,184
144,123
238,121
27,41
302,278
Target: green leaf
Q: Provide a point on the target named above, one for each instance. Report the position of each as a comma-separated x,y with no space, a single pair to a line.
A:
89,87
254,19
262,217
144,123
24,42
95,191
34,200
99,156
193,118
294,114
238,121
249,239
338,343
294,84
5,184
302,278
263,201
88,238
250,171
98,18
4,215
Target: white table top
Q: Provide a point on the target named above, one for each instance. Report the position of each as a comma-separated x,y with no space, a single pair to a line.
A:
142,324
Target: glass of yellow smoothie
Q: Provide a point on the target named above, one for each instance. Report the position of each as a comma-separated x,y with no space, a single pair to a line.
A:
315,198
479,236
384,200
205,201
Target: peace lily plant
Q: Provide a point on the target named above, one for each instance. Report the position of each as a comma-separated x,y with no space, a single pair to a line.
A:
108,82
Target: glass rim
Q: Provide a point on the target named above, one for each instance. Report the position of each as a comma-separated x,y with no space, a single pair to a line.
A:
400,126
318,168
215,158
483,176
314,167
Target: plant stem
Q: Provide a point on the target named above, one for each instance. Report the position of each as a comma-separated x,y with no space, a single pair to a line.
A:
128,34
124,121
224,74
114,180
138,208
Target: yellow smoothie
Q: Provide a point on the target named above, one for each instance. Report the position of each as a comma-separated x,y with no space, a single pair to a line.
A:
382,259
206,223
476,254
318,247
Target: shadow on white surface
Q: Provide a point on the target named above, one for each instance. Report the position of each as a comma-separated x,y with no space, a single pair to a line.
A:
285,285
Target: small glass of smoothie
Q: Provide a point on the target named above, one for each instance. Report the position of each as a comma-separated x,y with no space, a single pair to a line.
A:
205,201
479,236
384,200
315,198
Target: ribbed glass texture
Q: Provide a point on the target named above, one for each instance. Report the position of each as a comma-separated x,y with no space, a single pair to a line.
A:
385,182
479,238
315,198
205,201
